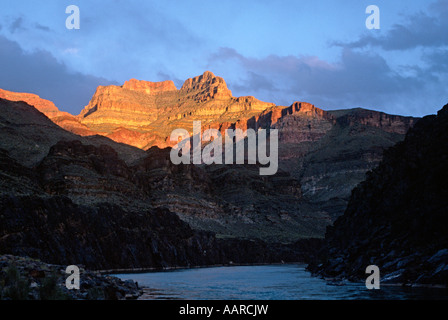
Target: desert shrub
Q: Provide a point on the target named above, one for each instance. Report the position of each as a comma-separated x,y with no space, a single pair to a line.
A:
14,286
49,289
95,294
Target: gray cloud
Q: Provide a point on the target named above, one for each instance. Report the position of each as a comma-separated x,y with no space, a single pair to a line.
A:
163,76
257,82
137,38
438,60
439,7
358,79
41,73
419,30
17,24
42,27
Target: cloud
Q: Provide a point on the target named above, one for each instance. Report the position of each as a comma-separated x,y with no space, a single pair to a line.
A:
438,60
71,51
41,73
420,30
163,76
358,79
17,24
42,27
138,38
257,82
439,7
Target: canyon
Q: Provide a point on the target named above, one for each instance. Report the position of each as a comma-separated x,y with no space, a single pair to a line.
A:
328,152
109,168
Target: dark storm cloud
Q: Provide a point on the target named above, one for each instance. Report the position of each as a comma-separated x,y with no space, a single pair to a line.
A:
357,79
40,73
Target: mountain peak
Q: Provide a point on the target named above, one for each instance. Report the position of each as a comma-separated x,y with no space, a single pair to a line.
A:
307,109
207,85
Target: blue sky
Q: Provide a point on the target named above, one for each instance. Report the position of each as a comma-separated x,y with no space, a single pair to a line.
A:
278,51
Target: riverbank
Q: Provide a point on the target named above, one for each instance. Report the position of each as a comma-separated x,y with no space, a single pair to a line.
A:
231,264
23,278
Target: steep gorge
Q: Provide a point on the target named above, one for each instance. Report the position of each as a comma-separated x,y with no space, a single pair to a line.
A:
324,153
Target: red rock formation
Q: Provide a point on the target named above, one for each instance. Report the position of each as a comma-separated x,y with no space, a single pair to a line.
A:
144,113
149,111
45,106
206,87
72,124
149,87
61,118
307,109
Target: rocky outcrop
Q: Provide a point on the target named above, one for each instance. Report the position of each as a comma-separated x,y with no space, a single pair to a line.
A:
206,87
23,278
396,219
149,87
306,109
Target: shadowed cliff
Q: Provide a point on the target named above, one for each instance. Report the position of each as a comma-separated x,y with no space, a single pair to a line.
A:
397,218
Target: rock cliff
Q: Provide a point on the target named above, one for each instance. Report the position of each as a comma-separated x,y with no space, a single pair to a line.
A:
327,152
77,200
149,111
396,219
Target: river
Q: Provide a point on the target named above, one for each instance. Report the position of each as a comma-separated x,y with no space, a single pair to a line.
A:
266,282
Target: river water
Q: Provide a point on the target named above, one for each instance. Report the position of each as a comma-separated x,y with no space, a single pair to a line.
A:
267,282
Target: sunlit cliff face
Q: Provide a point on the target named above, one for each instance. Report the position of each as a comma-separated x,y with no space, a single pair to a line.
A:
144,113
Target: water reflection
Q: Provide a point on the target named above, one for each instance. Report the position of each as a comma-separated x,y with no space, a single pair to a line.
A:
271,282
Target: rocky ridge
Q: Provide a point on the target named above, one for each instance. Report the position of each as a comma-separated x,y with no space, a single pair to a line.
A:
396,218
61,118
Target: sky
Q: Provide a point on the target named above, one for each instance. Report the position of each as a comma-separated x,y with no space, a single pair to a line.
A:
281,51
